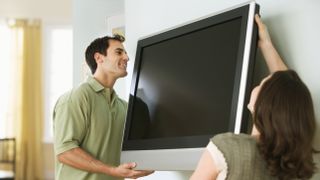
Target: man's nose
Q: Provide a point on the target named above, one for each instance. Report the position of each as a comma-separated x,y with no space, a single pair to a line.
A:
126,57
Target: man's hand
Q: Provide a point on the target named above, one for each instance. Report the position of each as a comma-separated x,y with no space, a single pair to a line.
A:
126,171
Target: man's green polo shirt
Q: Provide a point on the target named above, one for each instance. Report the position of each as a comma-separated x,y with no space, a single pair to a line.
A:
90,117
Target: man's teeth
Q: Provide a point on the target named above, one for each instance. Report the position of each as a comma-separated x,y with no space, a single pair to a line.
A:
124,65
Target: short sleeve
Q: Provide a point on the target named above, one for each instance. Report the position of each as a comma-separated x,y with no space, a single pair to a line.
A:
69,125
219,160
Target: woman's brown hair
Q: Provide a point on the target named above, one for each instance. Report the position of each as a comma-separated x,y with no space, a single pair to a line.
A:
284,116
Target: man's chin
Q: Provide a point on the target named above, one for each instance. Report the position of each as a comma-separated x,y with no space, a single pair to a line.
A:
124,74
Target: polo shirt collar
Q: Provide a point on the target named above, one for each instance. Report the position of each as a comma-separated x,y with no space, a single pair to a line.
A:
97,87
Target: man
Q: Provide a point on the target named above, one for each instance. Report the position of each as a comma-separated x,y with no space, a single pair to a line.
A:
89,120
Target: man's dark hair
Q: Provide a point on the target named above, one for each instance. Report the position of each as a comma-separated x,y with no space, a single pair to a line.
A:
99,45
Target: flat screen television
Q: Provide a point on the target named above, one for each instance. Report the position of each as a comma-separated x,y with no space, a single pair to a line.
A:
190,83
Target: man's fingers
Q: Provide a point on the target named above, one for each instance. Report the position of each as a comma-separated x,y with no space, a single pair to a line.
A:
129,165
141,173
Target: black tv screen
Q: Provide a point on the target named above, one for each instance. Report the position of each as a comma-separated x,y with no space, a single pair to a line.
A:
186,83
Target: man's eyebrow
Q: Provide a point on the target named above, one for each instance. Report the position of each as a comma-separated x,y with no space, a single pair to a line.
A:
120,49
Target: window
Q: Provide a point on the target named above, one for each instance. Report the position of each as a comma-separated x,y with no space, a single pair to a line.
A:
58,72
58,69
6,72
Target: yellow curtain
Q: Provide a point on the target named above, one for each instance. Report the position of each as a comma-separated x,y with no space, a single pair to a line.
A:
29,102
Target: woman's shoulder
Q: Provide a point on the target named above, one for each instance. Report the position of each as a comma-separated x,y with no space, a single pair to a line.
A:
231,136
225,141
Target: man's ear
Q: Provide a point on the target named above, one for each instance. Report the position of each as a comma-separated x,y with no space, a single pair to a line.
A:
98,57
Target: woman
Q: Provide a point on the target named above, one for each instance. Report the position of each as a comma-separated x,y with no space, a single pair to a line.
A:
280,145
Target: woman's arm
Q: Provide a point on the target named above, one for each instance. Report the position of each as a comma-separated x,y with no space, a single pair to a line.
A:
270,54
206,169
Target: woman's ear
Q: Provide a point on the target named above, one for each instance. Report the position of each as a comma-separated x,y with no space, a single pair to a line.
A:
250,108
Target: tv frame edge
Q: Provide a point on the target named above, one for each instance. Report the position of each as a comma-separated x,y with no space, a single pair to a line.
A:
186,159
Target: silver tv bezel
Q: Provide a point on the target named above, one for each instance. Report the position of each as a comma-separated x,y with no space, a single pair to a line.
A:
187,158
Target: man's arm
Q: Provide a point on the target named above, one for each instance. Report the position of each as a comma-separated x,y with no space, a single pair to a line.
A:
80,159
270,54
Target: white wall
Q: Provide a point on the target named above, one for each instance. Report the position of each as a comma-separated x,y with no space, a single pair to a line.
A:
294,26
90,22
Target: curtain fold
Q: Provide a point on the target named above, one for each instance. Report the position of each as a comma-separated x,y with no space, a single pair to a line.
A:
29,102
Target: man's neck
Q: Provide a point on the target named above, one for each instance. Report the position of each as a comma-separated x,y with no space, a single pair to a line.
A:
105,81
